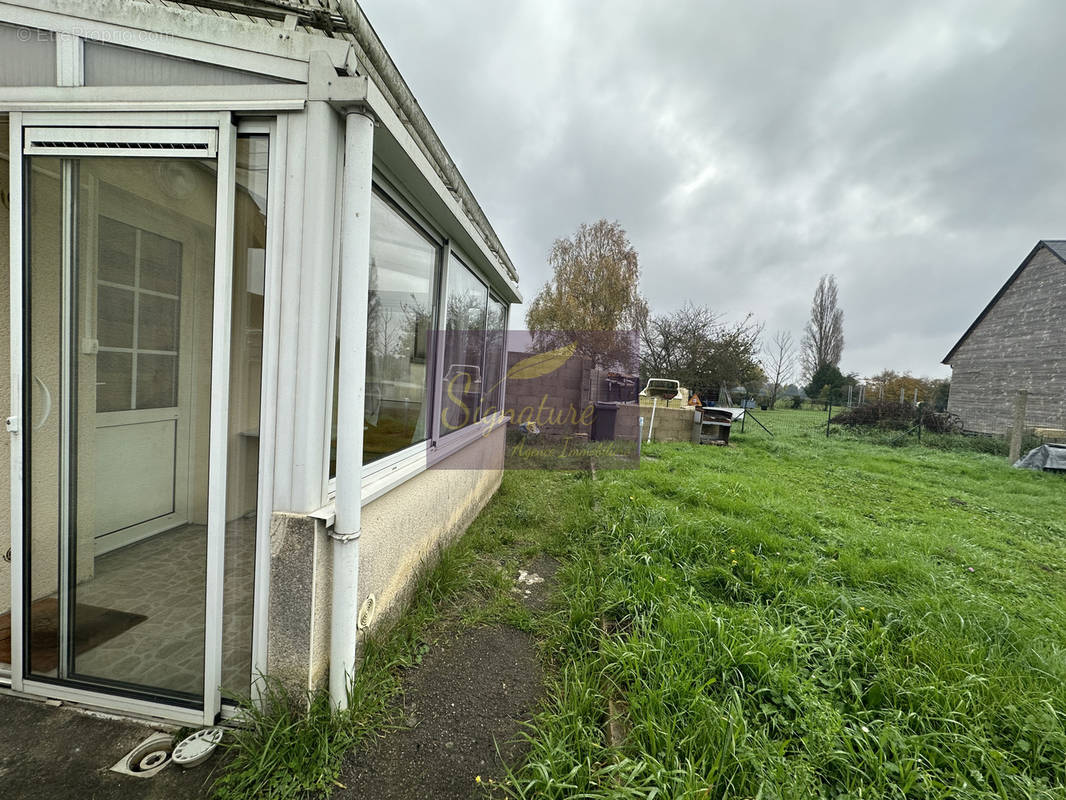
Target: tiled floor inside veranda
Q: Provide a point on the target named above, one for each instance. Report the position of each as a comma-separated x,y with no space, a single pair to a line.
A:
163,579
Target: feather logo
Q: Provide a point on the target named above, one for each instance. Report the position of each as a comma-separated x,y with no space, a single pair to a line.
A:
541,364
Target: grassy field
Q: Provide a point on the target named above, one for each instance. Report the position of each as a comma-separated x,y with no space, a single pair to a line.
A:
790,617
797,617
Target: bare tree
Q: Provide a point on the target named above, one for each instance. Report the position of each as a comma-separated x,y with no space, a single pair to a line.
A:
694,346
778,361
593,292
823,338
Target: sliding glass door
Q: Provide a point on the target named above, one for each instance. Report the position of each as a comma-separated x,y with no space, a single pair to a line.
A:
119,286
144,278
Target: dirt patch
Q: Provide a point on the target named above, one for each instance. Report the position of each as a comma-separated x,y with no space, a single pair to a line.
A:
536,582
463,709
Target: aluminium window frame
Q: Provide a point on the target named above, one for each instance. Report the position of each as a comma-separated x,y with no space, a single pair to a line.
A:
388,472
385,473
275,128
446,440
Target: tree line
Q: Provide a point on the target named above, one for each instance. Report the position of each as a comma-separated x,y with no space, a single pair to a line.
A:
594,297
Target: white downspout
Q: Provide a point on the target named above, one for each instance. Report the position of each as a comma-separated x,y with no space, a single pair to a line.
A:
351,382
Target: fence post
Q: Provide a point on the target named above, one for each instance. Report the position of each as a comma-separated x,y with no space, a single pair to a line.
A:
829,416
1019,426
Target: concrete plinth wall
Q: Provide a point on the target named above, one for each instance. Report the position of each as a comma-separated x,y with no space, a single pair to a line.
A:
403,532
671,424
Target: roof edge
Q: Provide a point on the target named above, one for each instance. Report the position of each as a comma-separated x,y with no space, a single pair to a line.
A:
1002,290
375,59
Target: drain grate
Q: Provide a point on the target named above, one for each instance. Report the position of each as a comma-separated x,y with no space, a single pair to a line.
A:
148,758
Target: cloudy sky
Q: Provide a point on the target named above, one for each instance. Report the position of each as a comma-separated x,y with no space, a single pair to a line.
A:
917,151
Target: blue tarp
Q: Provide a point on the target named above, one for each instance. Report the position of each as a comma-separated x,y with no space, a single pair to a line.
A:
1045,457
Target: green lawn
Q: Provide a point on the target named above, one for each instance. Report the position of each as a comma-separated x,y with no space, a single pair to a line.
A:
800,617
790,617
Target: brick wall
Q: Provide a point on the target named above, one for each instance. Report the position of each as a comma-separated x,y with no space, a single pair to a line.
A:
1020,344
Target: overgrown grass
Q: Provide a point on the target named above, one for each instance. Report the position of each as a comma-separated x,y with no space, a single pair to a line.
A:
791,617
799,617
294,746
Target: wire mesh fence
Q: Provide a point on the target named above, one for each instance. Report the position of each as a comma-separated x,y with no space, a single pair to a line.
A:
907,424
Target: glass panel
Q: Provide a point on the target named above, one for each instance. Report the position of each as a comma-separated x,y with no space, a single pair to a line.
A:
114,381
43,394
117,249
157,381
160,263
246,371
157,323
495,342
116,529
401,316
463,348
114,65
403,264
29,56
114,316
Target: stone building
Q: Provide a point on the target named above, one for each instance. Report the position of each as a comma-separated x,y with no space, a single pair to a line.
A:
1017,342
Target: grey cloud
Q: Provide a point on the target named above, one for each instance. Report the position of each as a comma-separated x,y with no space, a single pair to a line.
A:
915,150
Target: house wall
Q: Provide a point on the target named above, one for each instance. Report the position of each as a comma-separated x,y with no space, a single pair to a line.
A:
1020,344
403,532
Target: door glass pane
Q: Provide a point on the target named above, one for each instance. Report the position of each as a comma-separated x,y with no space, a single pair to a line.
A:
157,323
120,280
114,381
246,370
157,381
117,248
42,396
114,316
160,263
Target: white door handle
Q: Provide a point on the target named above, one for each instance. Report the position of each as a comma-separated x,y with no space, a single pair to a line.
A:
47,404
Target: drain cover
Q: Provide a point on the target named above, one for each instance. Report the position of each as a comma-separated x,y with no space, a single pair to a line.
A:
196,749
147,758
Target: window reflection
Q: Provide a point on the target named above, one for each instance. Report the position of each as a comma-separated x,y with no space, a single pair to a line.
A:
464,345
495,336
400,318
